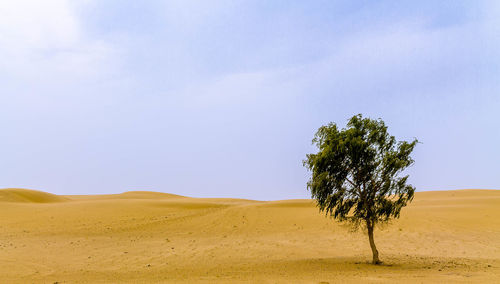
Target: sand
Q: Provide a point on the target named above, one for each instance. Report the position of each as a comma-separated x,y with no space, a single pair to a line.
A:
149,237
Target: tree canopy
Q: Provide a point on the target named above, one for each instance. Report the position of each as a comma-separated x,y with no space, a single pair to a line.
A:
356,174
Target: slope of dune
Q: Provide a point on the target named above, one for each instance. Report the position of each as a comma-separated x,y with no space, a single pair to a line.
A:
447,236
28,195
127,195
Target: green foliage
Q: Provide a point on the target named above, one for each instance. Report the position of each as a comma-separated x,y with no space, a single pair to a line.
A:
356,172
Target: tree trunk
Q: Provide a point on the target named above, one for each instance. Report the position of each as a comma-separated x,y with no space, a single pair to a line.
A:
370,227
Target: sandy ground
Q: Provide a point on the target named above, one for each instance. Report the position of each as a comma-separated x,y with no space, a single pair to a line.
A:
147,237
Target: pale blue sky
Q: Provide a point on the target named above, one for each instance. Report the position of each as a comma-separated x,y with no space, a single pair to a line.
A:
222,98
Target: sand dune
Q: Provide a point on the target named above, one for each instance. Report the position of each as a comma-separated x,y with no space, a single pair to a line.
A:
144,237
127,195
30,196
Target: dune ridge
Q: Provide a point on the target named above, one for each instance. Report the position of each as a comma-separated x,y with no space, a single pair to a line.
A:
127,195
29,196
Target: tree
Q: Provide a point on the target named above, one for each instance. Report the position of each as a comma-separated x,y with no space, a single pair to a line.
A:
356,174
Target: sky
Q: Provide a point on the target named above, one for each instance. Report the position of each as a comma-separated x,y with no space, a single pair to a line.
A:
222,98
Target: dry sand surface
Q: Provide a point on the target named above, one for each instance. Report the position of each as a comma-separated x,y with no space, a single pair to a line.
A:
149,237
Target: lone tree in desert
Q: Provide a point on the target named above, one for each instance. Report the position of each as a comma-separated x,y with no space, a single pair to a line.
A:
356,174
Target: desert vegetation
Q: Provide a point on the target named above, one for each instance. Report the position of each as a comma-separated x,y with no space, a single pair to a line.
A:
355,174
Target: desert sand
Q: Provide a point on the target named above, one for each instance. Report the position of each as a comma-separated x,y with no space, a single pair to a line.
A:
150,237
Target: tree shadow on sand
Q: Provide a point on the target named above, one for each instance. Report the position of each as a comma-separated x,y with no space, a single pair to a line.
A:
394,263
